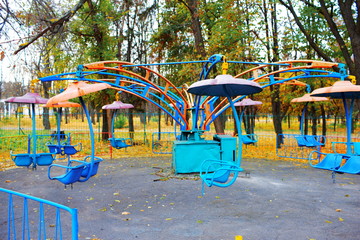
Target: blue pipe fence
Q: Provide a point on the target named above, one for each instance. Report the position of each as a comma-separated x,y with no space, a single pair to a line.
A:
154,133
28,217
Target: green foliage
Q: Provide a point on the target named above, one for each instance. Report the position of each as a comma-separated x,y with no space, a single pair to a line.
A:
120,122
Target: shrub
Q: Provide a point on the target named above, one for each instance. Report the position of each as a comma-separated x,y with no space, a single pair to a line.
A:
120,122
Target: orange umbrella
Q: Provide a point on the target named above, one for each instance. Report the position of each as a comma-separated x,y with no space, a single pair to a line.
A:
62,104
342,90
77,89
306,98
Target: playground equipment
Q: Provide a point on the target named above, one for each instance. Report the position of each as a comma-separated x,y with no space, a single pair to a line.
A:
194,118
31,157
343,90
89,165
118,142
249,138
64,148
227,86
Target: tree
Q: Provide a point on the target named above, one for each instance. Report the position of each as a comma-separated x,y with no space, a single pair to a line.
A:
342,21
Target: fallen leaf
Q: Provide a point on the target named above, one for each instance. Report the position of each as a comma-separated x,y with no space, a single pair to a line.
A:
89,199
102,209
116,194
338,210
168,219
199,221
327,221
125,213
8,181
341,219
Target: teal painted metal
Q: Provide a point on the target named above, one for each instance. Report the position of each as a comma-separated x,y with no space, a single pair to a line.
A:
19,222
227,147
189,155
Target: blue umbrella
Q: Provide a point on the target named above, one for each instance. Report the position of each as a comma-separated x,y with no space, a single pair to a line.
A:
226,86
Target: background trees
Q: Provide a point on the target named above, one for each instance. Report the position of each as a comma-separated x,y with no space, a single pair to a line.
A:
52,36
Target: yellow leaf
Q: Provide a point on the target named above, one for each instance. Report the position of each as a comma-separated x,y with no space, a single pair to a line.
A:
327,221
341,219
238,237
125,213
199,221
168,219
89,199
102,209
116,194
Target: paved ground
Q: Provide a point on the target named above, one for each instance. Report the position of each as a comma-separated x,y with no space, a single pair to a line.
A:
138,198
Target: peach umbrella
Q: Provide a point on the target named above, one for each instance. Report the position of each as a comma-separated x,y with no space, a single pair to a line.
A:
342,90
79,89
306,98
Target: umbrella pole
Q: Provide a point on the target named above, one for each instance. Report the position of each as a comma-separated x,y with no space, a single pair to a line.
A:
92,140
238,126
303,119
33,133
348,117
58,118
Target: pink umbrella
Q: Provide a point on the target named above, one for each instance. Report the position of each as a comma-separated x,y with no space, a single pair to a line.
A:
30,98
247,102
118,105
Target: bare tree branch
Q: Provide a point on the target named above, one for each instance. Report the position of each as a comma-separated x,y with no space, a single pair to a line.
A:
54,25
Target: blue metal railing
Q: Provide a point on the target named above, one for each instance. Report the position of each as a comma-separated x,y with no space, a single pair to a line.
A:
23,224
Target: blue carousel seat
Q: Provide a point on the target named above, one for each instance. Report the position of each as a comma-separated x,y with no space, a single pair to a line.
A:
72,149
120,142
312,140
249,138
71,175
43,159
302,142
55,148
356,146
331,161
218,173
86,170
22,159
352,166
